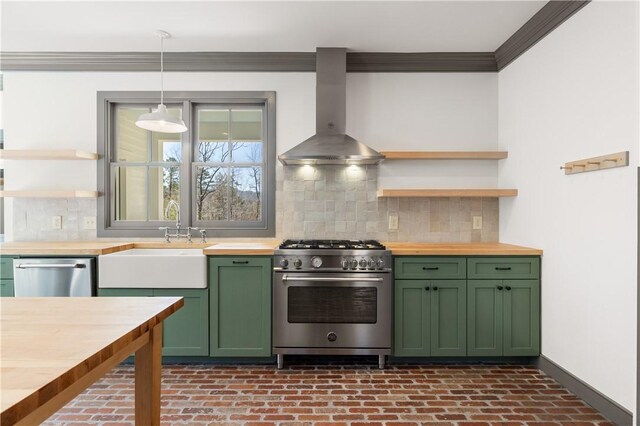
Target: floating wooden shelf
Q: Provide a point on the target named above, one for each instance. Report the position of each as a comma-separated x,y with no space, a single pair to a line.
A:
435,193
445,155
71,193
47,154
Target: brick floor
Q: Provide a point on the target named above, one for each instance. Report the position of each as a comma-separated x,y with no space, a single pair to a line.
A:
465,395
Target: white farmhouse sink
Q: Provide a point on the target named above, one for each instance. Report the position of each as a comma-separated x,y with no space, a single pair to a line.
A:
153,268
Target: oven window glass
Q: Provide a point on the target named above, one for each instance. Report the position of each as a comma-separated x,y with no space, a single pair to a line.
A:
346,305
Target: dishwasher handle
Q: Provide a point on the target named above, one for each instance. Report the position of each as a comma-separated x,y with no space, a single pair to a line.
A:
51,265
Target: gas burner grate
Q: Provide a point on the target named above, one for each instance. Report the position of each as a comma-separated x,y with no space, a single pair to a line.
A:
331,245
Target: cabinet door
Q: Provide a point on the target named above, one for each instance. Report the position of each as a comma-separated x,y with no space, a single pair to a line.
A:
240,291
6,288
521,317
485,317
186,332
448,317
412,318
6,267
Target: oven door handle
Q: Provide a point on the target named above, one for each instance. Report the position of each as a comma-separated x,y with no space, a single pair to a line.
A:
332,279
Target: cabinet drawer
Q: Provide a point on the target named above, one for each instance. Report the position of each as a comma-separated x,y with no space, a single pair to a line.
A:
504,267
6,288
424,267
6,267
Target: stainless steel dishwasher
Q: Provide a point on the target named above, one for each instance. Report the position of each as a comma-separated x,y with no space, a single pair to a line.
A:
54,277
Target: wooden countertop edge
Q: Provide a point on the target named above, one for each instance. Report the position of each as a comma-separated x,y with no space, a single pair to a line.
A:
239,252
470,252
19,410
397,249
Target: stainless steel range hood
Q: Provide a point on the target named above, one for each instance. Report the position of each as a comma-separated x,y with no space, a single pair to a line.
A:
330,144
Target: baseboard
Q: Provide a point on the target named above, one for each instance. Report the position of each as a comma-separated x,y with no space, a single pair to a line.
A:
608,408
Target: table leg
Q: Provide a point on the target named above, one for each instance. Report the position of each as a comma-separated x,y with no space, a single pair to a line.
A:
148,364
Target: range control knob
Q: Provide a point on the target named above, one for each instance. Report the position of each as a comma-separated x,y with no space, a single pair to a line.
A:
316,262
332,337
380,263
372,264
363,263
297,263
284,263
344,263
354,264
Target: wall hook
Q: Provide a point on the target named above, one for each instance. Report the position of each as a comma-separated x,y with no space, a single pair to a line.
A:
619,159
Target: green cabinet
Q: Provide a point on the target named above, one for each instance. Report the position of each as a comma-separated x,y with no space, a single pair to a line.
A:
503,317
6,288
425,267
518,267
240,291
186,332
6,276
430,318
467,306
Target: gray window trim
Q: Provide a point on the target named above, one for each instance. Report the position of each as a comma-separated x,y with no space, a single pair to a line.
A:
105,129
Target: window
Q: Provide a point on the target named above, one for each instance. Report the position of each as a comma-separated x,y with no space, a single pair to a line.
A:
219,175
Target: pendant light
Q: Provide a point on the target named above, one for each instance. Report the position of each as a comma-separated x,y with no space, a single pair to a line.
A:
159,120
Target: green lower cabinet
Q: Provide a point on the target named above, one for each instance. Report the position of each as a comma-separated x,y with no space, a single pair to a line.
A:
522,318
240,323
430,318
6,276
484,326
503,318
412,320
6,267
448,317
186,332
6,288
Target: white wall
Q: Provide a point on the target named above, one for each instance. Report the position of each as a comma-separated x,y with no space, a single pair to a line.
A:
388,111
438,112
575,95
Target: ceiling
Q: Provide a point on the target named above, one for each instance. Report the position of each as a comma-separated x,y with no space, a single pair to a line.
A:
297,26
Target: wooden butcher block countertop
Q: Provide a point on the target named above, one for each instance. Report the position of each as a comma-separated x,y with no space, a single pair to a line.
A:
461,249
54,347
245,246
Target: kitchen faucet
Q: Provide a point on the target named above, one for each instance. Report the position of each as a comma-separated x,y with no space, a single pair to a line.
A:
167,235
167,210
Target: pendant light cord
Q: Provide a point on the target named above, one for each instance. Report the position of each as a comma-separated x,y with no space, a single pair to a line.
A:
161,70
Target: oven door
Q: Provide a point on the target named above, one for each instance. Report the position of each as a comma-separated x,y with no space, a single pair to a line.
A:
326,310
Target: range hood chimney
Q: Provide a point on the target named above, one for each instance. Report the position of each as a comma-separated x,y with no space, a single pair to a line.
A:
330,144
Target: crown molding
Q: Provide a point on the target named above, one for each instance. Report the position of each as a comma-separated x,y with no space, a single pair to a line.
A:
421,62
552,15
149,61
243,61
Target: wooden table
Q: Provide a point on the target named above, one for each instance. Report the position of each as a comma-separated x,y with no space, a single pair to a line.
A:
51,349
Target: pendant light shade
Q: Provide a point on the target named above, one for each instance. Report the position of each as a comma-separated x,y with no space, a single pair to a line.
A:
159,119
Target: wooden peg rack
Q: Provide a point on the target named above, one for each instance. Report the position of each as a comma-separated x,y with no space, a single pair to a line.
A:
619,159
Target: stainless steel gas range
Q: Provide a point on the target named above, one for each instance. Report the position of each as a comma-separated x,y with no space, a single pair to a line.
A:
332,297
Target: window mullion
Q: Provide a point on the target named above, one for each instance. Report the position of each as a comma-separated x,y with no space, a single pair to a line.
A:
187,141
228,169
